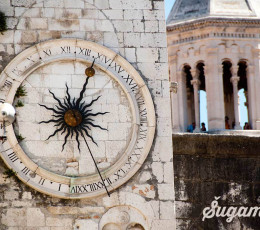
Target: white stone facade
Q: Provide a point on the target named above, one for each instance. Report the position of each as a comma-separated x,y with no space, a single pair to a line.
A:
135,30
214,40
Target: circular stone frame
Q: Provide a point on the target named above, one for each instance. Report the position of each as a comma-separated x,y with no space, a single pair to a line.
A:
117,68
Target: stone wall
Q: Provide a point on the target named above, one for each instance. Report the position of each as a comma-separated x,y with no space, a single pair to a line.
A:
208,166
136,30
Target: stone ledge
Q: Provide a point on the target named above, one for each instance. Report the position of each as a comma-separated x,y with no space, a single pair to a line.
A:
212,21
216,145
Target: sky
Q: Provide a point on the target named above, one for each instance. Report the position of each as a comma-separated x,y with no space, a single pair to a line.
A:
168,6
203,100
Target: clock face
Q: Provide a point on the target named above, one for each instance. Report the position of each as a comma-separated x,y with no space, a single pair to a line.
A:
85,120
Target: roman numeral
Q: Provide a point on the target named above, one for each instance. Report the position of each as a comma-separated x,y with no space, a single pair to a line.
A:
143,113
142,134
138,148
119,174
84,51
137,155
104,58
65,49
130,82
108,181
140,101
99,56
130,162
59,187
25,170
30,59
16,71
96,186
41,181
47,52
8,83
116,67
79,189
13,157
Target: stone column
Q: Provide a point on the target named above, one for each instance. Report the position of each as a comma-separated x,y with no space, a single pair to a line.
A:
214,88
196,83
251,96
182,101
174,97
235,79
247,106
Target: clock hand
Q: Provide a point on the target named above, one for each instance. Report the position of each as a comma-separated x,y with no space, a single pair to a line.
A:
96,165
93,63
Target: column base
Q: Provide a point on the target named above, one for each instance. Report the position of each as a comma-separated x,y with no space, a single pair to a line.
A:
258,125
238,127
196,130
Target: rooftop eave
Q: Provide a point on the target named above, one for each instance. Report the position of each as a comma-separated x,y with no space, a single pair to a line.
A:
208,21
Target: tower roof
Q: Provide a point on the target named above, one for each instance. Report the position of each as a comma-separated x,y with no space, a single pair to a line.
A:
192,9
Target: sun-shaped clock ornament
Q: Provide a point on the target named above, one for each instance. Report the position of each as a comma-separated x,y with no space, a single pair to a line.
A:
74,116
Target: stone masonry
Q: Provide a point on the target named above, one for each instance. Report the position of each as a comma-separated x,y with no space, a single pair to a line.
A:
136,30
208,166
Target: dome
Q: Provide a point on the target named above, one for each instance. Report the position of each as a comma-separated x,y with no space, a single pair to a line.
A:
193,9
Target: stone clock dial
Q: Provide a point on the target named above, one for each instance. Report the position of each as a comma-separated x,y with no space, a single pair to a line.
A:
86,132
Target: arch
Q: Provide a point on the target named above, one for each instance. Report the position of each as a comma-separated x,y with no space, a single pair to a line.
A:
202,104
123,217
198,62
201,75
188,97
183,65
227,60
243,94
245,60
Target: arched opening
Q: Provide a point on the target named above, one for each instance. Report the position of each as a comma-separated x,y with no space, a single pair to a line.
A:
243,95
135,227
202,97
228,95
190,111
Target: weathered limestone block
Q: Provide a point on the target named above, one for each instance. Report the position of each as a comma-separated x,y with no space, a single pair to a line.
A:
14,217
165,192
58,222
35,217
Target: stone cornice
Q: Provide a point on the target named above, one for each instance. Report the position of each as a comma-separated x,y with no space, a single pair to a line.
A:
212,21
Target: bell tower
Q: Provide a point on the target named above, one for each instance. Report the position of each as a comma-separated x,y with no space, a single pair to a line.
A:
213,46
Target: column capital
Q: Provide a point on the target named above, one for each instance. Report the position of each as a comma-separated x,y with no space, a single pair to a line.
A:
234,79
195,82
173,87
206,68
220,68
234,70
194,73
250,70
179,75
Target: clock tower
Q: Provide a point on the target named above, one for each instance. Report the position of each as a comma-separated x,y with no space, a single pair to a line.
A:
90,146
